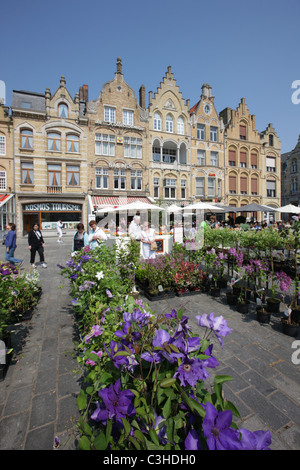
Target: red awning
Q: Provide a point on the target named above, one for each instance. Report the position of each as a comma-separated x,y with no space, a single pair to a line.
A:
115,201
4,198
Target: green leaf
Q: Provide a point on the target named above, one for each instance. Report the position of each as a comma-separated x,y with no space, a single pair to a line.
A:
100,442
84,443
166,383
139,436
230,406
154,437
126,425
167,408
82,400
220,379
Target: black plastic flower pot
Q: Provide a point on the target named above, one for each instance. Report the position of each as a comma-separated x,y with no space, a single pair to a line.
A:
215,291
273,305
231,299
263,316
295,315
290,329
242,307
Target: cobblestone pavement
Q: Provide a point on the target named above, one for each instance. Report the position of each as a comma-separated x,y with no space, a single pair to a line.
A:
38,394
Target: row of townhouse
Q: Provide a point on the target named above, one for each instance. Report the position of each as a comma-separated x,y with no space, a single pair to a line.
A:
65,158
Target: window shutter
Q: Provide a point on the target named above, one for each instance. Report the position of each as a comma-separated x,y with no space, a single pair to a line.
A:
232,156
243,182
254,159
232,183
253,185
243,157
243,131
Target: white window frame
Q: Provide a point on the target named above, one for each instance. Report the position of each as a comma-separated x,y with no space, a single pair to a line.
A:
155,187
169,123
2,145
109,114
200,131
133,147
170,188
214,158
157,122
101,178
120,180
3,180
213,134
180,125
211,188
200,157
127,117
200,186
136,180
105,144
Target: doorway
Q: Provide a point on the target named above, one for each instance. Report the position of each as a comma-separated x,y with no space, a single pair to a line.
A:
29,220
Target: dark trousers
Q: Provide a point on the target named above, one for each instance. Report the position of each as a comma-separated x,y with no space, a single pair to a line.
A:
40,251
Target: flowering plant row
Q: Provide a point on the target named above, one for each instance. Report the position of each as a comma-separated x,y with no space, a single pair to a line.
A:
145,375
18,293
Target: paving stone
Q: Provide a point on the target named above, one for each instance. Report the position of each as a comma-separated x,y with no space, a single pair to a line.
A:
40,439
268,413
19,400
43,410
12,431
256,380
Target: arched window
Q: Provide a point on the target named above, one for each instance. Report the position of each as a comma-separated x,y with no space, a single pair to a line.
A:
180,125
169,123
157,122
72,143
54,141
63,110
26,139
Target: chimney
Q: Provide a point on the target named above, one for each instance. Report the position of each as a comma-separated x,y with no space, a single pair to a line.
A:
119,65
84,93
142,97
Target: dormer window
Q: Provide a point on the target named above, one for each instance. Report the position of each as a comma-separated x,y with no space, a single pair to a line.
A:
63,110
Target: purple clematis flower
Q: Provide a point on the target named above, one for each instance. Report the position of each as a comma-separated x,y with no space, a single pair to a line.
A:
257,440
192,441
217,431
115,403
95,331
108,293
190,371
218,325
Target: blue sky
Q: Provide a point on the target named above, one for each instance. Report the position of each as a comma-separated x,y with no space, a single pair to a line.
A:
242,49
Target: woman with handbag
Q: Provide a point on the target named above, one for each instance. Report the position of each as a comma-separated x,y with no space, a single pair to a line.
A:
149,246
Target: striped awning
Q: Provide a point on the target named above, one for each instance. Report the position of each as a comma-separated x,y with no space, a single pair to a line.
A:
4,198
115,201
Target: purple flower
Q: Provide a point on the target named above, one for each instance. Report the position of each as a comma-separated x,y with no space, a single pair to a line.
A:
190,371
95,331
217,325
115,403
108,293
192,441
217,431
90,361
257,440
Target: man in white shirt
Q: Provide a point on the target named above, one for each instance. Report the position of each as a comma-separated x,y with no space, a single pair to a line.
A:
59,227
135,228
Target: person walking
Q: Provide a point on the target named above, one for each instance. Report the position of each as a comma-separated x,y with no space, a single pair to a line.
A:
59,227
11,245
36,244
80,238
147,237
96,234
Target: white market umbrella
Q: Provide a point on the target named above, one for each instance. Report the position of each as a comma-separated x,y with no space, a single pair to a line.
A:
289,208
203,206
174,208
139,205
106,209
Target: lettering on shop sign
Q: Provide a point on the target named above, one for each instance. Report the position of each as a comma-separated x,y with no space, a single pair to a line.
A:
52,206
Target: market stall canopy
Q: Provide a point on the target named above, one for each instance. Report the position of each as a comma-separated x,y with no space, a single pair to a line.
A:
174,208
290,208
203,206
253,207
103,210
139,205
226,208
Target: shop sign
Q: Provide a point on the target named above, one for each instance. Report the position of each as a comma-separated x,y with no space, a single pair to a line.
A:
52,207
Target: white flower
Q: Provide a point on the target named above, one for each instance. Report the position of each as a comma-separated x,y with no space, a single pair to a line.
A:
100,275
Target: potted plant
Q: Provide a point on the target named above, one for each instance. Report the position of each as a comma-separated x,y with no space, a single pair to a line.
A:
289,327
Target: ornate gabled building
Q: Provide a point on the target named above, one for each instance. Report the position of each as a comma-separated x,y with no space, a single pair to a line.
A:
290,182
50,135
169,143
252,160
207,149
117,141
7,198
